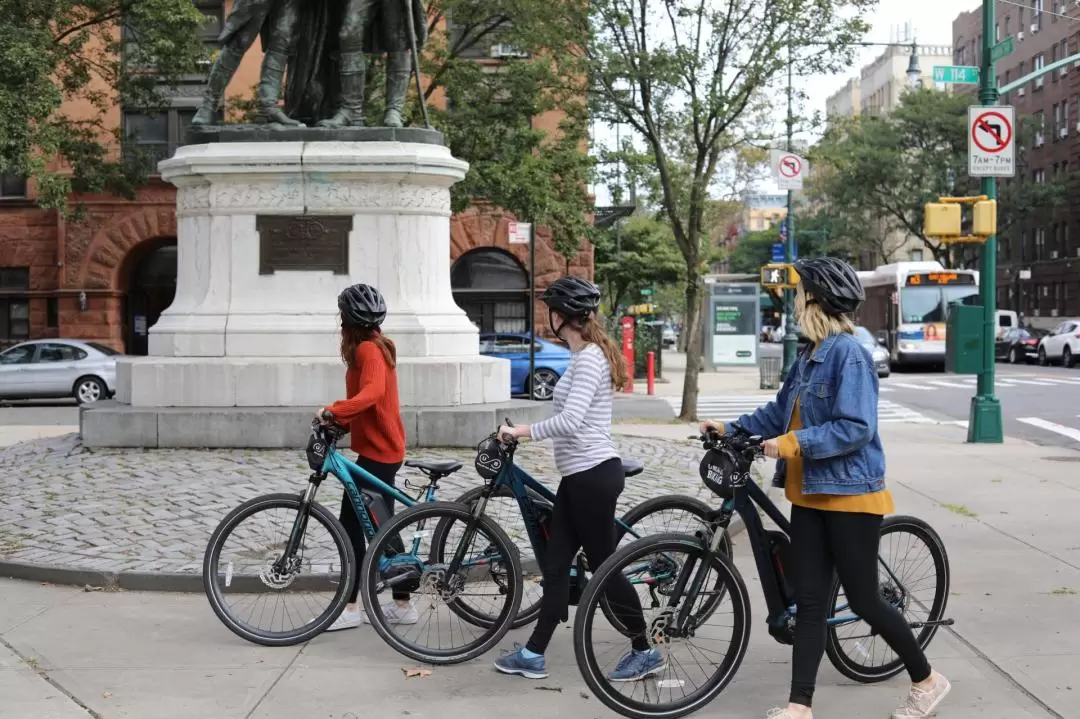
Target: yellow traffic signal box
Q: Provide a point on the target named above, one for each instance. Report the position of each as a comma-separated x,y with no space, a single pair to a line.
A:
984,218
941,220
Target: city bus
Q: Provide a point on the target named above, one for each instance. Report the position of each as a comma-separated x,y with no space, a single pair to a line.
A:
906,305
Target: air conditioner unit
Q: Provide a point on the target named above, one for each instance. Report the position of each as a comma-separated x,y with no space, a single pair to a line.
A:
1054,312
1038,82
1020,36
503,50
1064,70
1020,92
1039,140
1078,251
1034,28
1064,132
1053,254
1035,312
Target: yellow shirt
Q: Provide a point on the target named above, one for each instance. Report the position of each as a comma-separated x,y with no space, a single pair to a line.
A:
871,503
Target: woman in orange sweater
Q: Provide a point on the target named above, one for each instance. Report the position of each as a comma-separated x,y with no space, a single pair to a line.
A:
373,415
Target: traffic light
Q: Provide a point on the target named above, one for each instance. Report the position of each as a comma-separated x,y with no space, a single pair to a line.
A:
941,220
984,218
779,275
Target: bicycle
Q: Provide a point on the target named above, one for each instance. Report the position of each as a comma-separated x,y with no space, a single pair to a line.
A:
278,563
685,597
504,479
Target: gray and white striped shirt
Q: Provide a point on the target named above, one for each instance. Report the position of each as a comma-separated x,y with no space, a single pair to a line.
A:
580,430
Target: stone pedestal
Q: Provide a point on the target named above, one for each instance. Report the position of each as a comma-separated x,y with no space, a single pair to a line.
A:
268,234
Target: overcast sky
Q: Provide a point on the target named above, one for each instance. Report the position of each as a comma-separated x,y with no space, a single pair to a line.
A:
929,20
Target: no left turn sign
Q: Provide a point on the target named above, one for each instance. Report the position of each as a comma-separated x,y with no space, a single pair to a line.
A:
991,146
790,166
789,170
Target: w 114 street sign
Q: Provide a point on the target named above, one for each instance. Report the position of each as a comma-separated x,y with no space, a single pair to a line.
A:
956,74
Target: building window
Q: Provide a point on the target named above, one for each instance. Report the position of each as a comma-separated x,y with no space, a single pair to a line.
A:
14,311
1036,14
150,138
12,186
52,312
915,255
1040,244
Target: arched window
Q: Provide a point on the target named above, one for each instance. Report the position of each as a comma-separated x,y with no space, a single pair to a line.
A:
493,289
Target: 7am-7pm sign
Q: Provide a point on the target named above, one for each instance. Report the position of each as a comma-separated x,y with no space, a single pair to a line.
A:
991,141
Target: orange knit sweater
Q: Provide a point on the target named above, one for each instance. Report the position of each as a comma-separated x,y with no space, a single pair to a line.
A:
372,412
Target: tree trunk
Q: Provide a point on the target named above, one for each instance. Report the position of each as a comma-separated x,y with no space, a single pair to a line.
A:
692,332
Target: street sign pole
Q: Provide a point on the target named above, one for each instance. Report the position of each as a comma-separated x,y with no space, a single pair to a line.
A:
790,340
984,420
532,309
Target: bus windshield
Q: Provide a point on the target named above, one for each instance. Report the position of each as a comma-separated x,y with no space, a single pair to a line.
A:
927,304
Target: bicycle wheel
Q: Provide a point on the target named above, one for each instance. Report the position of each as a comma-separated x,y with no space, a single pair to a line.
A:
437,585
657,562
241,559
503,509
851,644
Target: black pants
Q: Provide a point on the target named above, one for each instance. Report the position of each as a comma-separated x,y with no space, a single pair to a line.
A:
584,518
848,542
355,530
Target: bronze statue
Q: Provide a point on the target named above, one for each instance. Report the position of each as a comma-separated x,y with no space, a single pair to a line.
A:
325,43
275,21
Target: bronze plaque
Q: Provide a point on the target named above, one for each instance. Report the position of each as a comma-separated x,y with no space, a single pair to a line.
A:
303,242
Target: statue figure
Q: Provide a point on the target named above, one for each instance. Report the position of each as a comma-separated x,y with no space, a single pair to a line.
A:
275,21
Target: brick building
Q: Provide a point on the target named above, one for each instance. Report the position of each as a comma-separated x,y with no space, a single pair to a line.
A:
108,277
1043,32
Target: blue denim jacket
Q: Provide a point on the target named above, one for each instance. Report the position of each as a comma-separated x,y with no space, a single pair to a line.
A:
837,389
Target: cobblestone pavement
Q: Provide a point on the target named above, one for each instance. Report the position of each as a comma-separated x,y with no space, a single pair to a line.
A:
120,510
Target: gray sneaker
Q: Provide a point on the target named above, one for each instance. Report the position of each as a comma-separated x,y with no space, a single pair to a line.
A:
921,703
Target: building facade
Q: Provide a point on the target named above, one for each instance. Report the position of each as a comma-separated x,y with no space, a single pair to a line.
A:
1038,263
109,276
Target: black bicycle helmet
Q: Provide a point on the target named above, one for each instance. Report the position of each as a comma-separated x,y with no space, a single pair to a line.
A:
832,283
362,306
572,296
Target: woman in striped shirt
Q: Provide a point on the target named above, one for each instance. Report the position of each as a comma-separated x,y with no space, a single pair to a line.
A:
592,480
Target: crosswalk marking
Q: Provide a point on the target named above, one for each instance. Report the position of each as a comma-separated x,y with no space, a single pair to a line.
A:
1037,382
905,385
1002,381
726,408
943,383
1061,429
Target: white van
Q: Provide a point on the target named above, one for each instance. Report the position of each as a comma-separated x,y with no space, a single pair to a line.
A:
1006,320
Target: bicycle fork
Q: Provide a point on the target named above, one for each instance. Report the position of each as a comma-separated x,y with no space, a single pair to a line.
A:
299,528
682,624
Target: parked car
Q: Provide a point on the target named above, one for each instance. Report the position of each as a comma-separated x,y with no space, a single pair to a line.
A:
878,352
1061,345
1019,344
52,369
551,361
669,338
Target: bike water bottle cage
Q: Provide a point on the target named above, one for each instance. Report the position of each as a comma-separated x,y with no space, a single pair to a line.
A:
726,464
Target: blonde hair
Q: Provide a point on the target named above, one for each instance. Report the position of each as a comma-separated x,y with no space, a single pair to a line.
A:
592,330
815,324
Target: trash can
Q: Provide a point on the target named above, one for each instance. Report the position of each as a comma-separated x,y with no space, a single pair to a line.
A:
770,372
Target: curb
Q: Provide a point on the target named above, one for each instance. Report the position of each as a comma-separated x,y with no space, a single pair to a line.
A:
140,581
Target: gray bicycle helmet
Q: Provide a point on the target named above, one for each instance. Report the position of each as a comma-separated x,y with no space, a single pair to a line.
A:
572,296
362,306
832,284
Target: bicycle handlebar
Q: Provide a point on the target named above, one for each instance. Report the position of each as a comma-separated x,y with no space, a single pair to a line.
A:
738,442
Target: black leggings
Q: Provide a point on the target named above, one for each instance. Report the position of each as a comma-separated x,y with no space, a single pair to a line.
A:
848,542
355,530
584,518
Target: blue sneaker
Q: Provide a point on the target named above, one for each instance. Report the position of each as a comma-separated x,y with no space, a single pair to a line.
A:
636,665
515,663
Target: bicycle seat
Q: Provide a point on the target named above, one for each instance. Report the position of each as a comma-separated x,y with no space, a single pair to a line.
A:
435,466
631,467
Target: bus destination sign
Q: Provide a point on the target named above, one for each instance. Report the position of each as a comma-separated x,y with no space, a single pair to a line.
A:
939,278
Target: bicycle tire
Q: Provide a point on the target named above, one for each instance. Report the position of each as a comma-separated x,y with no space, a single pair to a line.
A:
586,657
213,553
526,614
850,667
369,575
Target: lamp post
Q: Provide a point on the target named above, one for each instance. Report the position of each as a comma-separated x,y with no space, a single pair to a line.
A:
914,76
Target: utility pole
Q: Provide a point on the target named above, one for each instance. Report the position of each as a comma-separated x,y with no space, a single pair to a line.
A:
790,339
984,420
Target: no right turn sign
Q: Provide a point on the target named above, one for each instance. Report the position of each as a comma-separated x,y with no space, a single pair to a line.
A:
991,141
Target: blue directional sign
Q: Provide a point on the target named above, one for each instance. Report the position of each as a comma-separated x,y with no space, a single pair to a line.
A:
778,252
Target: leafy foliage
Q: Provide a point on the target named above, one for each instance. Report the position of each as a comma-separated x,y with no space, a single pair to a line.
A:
59,55
692,80
639,254
889,167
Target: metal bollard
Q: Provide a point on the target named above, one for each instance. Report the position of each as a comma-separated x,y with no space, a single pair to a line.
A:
650,371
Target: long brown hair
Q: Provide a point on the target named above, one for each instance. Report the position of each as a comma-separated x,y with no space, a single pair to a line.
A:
592,330
352,336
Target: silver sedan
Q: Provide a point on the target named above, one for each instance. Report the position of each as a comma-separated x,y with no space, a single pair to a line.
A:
42,369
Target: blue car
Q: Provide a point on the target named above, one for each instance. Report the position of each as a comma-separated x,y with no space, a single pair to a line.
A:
550,363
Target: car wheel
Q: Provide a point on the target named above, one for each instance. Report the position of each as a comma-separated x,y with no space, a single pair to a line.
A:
89,390
884,374
543,384
1043,359
1067,357
1013,358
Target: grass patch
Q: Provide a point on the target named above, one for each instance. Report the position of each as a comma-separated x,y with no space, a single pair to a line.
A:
959,509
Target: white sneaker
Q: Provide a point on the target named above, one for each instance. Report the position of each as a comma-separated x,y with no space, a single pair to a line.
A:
395,613
785,713
348,619
921,703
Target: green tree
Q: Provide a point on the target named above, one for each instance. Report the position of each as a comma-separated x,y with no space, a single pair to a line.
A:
887,168
641,254
97,55
691,79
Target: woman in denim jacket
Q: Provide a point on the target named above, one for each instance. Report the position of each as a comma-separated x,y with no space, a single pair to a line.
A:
823,428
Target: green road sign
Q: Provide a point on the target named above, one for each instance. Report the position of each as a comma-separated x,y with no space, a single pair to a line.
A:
956,74
647,291
1003,48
